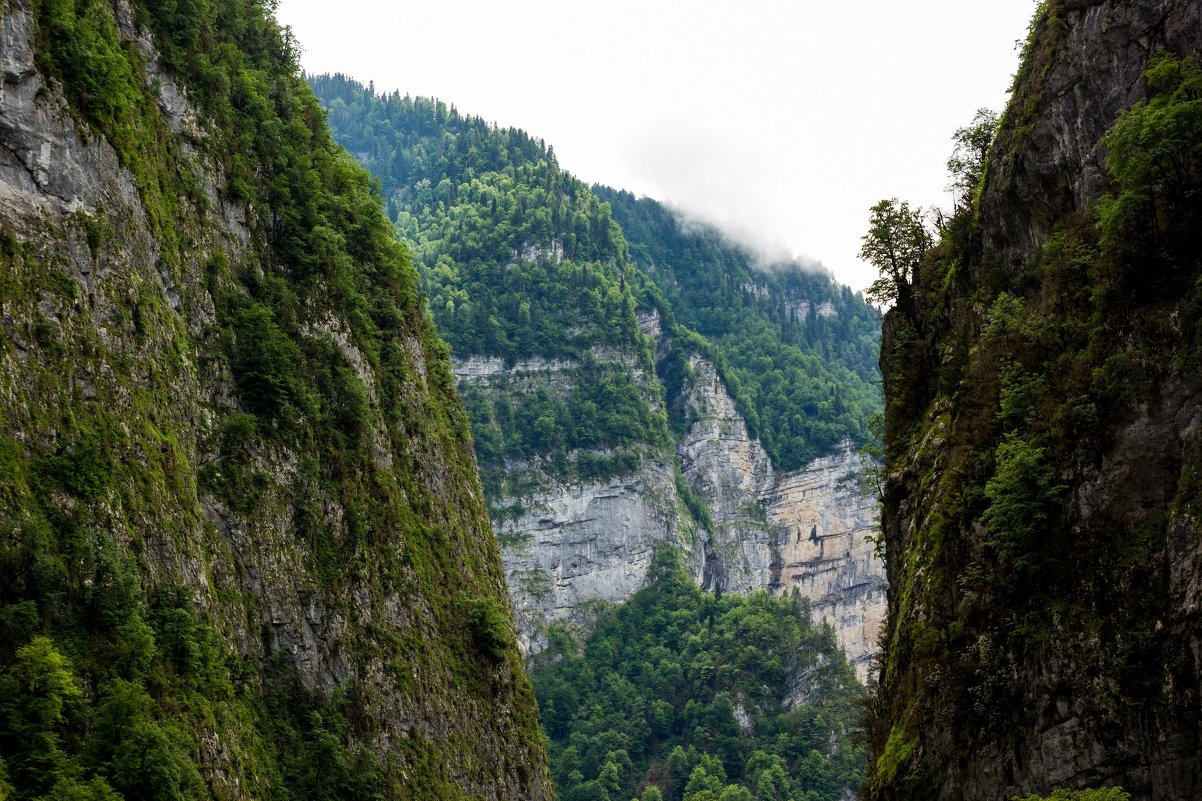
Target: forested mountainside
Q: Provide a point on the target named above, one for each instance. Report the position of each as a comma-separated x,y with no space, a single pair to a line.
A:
243,548
800,350
1044,436
522,264
605,427
681,695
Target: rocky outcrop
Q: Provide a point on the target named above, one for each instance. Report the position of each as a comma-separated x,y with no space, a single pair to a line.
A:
575,545
570,545
825,525
567,546
114,360
805,532
1085,63
1044,427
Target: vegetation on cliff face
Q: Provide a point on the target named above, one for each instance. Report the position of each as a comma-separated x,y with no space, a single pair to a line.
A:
682,695
799,350
243,550
1041,508
522,260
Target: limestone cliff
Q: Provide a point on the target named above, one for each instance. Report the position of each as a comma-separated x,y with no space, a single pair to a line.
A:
568,545
564,306
239,513
1043,435
804,532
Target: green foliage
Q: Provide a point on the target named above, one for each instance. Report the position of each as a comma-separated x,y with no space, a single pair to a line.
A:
796,351
654,695
966,166
102,502
518,257
694,503
1062,794
1155,143
491,628
83,470
1023,496
896,241
898,750
1155,158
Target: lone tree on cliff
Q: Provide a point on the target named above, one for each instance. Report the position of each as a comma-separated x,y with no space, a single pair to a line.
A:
896,241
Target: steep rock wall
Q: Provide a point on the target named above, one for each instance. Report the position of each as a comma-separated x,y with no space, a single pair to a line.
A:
117,384
568,545
804,532
1084,65
1043,398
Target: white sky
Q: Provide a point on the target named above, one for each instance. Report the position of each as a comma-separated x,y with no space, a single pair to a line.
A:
782,121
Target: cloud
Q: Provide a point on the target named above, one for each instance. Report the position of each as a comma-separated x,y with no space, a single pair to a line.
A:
714,181
767,254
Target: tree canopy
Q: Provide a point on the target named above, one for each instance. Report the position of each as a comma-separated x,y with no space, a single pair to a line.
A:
682,695
896,241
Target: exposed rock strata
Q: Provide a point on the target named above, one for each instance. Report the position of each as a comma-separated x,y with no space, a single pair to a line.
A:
569,546
805,532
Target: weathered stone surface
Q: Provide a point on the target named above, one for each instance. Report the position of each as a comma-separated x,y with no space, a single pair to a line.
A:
1100,684
822,521
805,532
1054,162
250,574
577,545
567,547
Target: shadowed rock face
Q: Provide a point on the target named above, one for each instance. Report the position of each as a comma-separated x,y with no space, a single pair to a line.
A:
805,532
1086,65
1098,682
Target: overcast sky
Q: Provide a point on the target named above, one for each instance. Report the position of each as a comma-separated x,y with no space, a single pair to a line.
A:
782,121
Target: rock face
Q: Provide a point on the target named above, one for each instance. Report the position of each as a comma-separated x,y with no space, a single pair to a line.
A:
1045,433
122,339
568,546
804,532
1085,64
825,526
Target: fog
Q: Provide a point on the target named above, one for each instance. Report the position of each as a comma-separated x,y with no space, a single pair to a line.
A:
782,121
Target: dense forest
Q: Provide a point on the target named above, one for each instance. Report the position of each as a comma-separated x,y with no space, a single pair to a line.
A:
520,259
800,350
682,695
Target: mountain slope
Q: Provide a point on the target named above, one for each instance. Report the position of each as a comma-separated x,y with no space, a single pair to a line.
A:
691,693
1043,439
604,427
528,274
799,349
243,551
